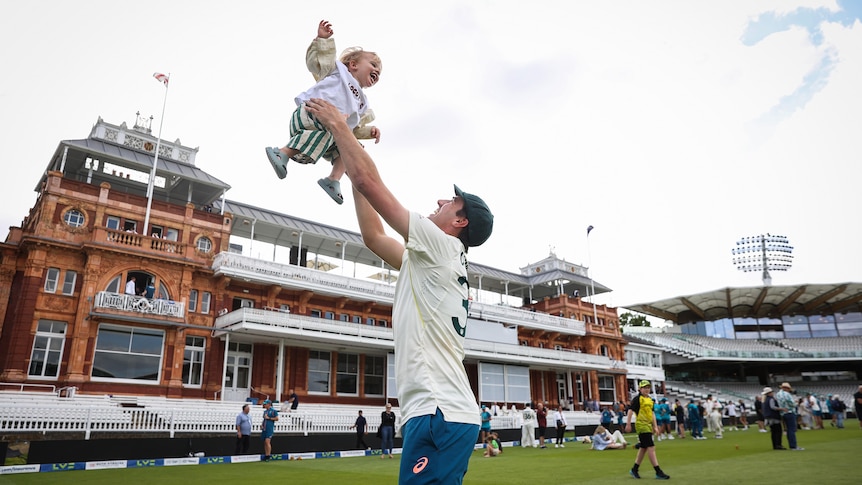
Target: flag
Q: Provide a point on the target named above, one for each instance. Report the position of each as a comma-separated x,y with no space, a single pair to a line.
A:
161,77
589,228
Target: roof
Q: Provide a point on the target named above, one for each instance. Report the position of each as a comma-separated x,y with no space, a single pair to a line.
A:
180,177
757,302
284,230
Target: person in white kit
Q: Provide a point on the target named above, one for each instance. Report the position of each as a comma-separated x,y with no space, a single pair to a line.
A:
528,428
439,412
340,83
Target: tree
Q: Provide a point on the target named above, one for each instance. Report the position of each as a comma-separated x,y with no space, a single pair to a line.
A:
630,320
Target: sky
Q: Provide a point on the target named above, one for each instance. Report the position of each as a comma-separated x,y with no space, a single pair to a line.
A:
674,128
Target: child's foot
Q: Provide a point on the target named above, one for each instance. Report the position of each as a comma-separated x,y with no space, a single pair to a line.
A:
333,188
278,161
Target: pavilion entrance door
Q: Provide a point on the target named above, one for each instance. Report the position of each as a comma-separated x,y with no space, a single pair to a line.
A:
238,372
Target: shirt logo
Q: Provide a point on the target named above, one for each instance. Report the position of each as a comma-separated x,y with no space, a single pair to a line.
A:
420,465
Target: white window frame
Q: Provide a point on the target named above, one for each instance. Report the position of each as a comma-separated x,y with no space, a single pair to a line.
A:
503,382
206,301
196,351
52,278
69,281
391,386
382,376
132,331
74,218
351,359
113,221
52,331
327,372
204,244
193,301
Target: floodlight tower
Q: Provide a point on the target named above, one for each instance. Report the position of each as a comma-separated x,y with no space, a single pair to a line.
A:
765,252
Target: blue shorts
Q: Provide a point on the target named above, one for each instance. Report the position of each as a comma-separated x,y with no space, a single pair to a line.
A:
436,451
265,434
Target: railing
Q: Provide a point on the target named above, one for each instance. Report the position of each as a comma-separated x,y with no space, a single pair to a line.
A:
36,387
525,318
131,239
59,418
293,324
139,304
298,277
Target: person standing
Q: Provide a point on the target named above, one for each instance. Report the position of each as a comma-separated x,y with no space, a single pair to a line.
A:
758,412
485,429
560,419
787,406
743,415
131,288
267,427
607,418
679,411
528,427
838,410
646,426
387,431
360,424
293,399
438,408
857,404
695,419
772,417
243,431
541,423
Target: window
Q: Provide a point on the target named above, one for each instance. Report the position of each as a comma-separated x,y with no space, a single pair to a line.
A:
284,308
206,299
204,244
374,375
370,321
391,387
193,361
128,353
318,371
73,218
130,226
69,282
172,235
193,300
499,382
607,390
113,223
51,278
357,319
47,349
156,231
347,374
316,313
381,323
344,317
329,315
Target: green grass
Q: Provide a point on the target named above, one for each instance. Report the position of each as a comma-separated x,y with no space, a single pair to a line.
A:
830,457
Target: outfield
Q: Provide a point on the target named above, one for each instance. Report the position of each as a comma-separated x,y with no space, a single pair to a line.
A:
830,456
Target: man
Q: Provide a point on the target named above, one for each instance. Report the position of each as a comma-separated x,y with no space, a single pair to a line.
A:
646,426
772,417
485,428
270,416
528,428
293,399
787,406
439,411
243,431
360,425
541,423
131,288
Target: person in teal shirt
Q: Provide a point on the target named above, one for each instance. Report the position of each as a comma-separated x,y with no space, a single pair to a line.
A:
270,416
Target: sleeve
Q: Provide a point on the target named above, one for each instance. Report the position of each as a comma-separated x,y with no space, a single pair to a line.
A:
363,129
320,57
636,404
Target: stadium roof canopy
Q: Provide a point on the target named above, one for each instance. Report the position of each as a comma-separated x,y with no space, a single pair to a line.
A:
757,302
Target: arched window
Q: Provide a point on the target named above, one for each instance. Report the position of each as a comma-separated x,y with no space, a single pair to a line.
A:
604,351
74,218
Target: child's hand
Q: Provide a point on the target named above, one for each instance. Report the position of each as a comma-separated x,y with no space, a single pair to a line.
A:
324,30
375,133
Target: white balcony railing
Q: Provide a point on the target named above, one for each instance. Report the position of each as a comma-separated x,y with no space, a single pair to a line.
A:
139,304
322,330
239,266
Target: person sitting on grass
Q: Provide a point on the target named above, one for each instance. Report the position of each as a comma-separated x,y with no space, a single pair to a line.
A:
605,440
492,446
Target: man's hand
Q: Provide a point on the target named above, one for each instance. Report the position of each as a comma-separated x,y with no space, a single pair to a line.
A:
326,113
324,30
375,133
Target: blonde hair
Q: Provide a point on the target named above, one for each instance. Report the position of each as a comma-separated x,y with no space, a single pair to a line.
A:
355,53
600,429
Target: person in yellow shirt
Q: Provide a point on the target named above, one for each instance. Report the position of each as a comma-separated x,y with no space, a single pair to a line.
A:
645,426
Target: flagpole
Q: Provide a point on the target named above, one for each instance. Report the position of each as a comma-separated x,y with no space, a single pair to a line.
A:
592,285
152,181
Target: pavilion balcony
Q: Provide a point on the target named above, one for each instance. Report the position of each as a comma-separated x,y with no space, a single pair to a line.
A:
106,300
132,240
